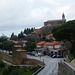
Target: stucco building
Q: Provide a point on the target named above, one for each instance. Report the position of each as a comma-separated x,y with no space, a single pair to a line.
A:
52,48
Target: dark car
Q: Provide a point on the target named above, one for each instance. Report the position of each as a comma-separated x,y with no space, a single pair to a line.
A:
28,52
54,56
32,53
59,56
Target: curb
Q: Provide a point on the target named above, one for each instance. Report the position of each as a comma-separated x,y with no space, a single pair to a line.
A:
38,70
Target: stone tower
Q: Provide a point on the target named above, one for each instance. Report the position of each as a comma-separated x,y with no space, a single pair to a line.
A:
63,16
19,55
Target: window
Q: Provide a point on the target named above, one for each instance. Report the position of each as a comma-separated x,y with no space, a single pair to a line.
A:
44,46
38,46
57,46
50,46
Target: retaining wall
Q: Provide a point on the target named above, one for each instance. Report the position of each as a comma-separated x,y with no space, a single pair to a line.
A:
6,57
65,69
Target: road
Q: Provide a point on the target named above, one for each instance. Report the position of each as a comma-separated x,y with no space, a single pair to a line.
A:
51,67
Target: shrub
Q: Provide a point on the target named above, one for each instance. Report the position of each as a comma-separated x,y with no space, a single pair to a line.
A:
15,73
1,64
4,71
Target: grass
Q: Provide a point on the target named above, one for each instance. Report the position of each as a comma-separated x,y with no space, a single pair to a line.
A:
17,70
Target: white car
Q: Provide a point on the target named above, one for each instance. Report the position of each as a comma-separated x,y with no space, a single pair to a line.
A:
39,54
36,55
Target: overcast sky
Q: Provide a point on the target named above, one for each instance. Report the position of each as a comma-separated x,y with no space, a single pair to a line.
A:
16,15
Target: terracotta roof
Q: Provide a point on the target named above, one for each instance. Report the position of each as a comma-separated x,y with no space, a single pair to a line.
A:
42,42
19,50
49,43
19,42
23,42
52,43
17,46
57,43
15,41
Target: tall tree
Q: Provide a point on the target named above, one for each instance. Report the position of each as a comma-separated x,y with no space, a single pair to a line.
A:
66,32
21,36
3,38
13,37
7,45
12,34
28,30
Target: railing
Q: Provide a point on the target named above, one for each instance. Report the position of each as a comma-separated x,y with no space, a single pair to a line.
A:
38,70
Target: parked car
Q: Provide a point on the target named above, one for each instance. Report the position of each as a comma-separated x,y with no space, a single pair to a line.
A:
59,56
54,56
36,54
39,54
28,52
31,53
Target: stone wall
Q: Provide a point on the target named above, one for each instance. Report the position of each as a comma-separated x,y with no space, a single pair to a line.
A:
20,56
6,57
65,69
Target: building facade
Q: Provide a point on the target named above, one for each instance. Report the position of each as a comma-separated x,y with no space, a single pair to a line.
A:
55,22
51,48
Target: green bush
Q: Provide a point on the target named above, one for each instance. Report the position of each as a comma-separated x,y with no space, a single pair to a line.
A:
15,73
71,57
17,70
1,64
5,71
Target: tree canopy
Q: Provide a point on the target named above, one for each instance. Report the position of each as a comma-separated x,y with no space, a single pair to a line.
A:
28,30
13,37
3,38
66,32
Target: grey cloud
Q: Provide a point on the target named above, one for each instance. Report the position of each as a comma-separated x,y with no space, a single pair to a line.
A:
19,14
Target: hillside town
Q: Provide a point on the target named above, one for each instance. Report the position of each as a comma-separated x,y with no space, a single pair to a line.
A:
40,49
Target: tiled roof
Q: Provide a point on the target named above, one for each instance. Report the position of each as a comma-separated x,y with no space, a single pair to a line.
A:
19,50
23,42
17,46
19,42
52,43
49,43
42,42
57,43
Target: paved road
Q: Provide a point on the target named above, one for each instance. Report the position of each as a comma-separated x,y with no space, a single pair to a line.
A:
51,67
